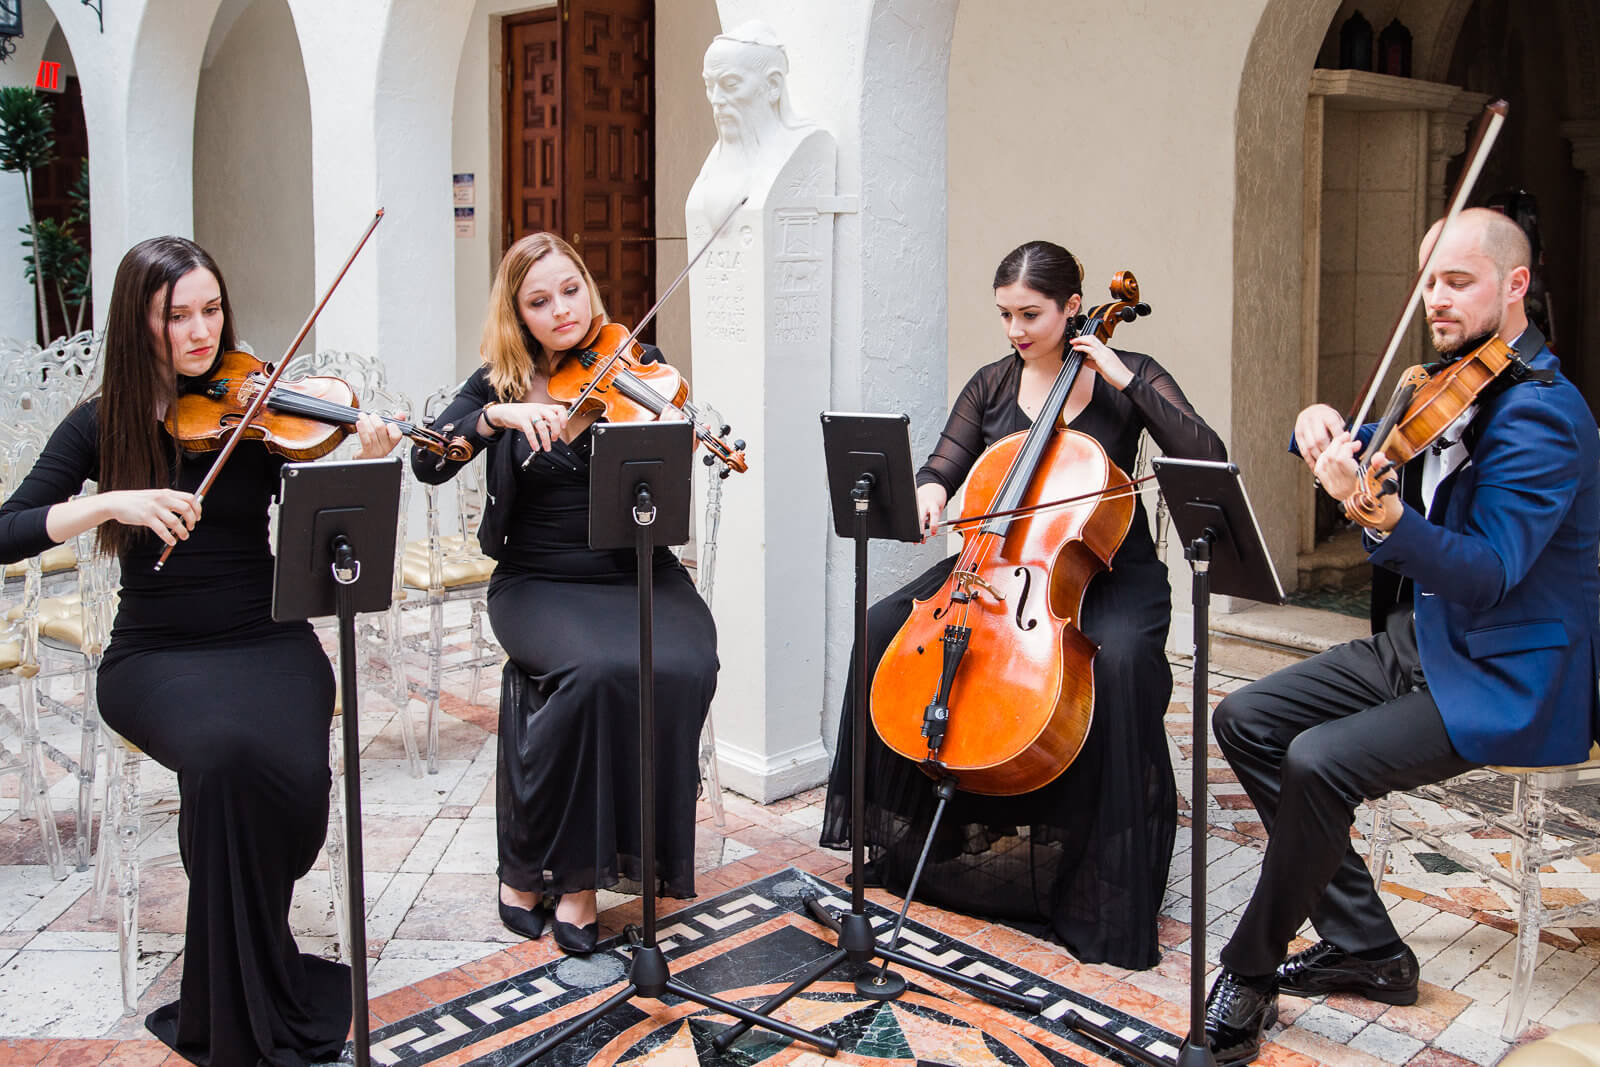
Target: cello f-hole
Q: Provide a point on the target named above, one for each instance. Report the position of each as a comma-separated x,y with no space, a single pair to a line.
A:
1022,601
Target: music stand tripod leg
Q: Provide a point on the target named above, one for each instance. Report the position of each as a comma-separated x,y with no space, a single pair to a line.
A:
648,973
856,941
346,568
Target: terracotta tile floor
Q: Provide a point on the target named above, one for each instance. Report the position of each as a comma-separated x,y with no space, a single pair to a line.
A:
432,929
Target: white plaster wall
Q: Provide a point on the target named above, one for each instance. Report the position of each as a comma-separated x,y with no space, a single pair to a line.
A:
252,174
684,132
413,103
476,141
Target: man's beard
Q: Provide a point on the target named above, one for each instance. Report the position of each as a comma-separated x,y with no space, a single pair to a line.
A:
1466,345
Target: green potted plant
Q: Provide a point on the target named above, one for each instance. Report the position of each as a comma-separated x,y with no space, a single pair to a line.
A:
26,144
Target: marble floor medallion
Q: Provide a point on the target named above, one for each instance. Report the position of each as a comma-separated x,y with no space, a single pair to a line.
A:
743,946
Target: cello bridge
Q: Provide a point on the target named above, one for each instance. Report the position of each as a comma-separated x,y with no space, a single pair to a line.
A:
966,581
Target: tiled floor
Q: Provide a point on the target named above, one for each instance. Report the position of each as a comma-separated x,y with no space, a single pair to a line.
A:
433,932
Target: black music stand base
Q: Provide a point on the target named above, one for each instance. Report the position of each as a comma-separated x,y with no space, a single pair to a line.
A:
1196,1049
332,519
856,941
648,973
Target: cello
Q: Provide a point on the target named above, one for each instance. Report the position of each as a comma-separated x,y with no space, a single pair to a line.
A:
990,681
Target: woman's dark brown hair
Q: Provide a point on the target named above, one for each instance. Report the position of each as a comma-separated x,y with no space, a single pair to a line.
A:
1043,267
138,385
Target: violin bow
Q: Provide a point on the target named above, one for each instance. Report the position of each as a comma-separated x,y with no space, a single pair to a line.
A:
277,372
1494,116
600,372
1110,492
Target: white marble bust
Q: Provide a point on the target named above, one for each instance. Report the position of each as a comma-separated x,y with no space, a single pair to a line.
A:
745,74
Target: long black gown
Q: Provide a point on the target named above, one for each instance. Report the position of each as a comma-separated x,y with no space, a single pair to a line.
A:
1087,855
567,777
198,675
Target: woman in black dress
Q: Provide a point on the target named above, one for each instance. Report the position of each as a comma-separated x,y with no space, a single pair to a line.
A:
196,673
1086,856
567,795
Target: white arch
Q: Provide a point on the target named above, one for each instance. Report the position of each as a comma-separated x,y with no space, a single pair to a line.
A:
252,169
414,103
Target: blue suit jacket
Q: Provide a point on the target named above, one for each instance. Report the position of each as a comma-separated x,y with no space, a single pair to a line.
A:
1505,572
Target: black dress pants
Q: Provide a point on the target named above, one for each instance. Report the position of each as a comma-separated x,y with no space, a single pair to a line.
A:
1309,743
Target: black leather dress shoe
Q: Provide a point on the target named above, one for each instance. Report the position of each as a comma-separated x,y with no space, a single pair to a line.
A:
1236,1017
1327,968
575,940
526,922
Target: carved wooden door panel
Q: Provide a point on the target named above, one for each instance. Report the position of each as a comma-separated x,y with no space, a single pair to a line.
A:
608,68
533,147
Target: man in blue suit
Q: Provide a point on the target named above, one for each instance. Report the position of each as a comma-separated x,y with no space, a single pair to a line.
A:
1495,664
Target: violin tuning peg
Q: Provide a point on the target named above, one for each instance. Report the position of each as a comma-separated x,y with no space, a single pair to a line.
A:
1141,308
725,431
725,472
708,459
738,446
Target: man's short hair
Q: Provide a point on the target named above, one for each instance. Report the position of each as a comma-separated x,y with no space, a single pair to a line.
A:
1501,239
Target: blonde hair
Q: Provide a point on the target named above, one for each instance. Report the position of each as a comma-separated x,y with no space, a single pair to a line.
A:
507,348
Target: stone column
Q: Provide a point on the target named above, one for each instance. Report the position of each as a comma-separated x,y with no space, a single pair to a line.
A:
1585,138
760,321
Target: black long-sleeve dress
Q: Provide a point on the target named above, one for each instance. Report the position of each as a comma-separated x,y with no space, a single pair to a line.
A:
567,778
198,675
1087,855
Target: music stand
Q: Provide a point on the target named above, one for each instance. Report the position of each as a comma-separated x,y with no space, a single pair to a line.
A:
1223,545
639,491
335,556
869,463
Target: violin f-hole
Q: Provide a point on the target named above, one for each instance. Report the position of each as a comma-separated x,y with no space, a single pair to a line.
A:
1022,601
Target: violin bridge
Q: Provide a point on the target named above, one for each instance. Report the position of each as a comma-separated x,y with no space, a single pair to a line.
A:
970,580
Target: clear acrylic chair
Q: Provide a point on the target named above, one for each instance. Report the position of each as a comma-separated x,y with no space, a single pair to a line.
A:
128,811
1526,804
705,573
379,634
19,660
448,566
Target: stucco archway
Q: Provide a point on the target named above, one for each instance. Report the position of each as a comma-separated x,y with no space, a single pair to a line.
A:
252,169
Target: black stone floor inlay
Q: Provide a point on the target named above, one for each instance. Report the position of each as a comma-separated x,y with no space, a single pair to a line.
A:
764,947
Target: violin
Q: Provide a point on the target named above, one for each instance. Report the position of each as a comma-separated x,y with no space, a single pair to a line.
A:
238,428
990,680
605,375
292,423
1426,403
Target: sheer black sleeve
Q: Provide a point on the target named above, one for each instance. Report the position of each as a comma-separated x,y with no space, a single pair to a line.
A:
461,415
70,458
1167,414
963,438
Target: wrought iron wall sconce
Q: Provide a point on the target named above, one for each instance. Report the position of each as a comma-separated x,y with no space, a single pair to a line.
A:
10,27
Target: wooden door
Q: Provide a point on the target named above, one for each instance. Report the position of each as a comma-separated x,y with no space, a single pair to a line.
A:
608,66
533,125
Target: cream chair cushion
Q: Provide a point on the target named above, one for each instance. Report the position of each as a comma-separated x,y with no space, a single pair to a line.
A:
1572,1046
463,563
62,557
1594,758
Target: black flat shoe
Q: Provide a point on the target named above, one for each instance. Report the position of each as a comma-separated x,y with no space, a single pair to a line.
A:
575,940
1327,968
1236,1018
524,922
